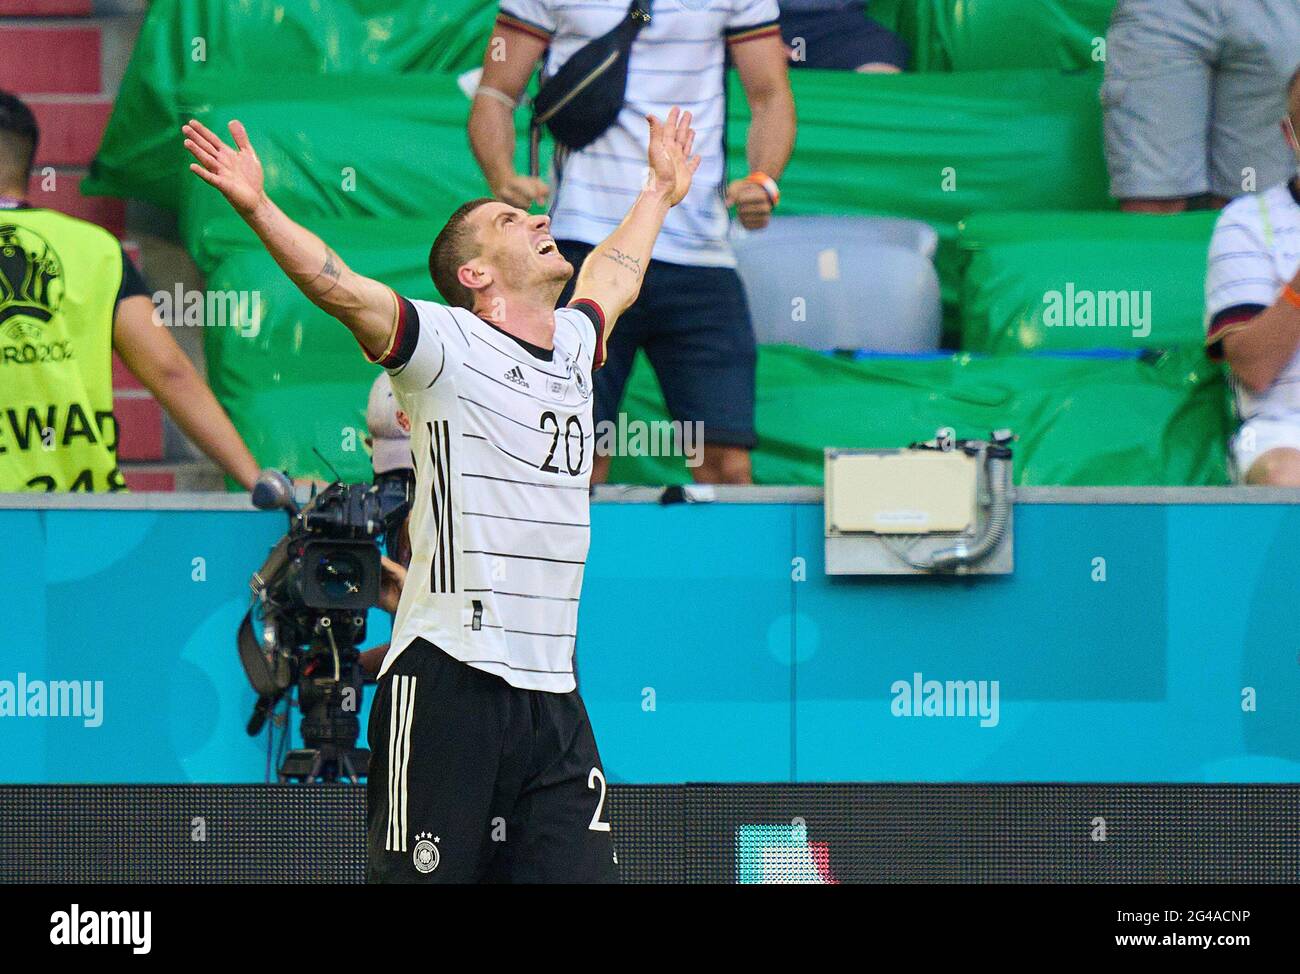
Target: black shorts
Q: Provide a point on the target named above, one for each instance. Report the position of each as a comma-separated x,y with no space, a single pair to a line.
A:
474,780
693,323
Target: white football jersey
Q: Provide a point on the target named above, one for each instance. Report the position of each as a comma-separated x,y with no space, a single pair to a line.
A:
502,439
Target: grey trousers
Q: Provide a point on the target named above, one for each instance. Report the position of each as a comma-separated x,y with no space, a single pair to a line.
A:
1194,95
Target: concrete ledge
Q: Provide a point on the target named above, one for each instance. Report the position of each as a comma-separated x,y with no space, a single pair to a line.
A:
177,501
1157,495
613,494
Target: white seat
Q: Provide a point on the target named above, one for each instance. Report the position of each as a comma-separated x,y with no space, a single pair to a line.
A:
840,282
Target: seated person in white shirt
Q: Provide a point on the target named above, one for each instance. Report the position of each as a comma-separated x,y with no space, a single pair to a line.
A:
1252,294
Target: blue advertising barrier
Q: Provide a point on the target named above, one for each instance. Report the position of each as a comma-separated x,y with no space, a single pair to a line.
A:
1147,635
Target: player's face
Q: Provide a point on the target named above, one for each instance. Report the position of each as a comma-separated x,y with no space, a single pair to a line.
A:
520,247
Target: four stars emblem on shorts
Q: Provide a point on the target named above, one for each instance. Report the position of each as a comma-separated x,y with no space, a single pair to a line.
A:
425,854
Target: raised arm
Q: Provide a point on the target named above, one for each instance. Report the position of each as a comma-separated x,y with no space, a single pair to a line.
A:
367,307
611,275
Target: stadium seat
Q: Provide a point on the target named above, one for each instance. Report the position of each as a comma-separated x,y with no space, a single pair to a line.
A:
50,59
46,8
140,479
140,420
71,128
123,378
383,147
911,235
828,282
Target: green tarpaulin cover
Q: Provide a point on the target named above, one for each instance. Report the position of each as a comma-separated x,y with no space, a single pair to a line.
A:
268,373
215,42
976,35
1068,281
931,147
1081,421
390,148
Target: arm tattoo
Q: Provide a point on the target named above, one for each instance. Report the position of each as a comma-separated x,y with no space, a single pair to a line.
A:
330,271
623,260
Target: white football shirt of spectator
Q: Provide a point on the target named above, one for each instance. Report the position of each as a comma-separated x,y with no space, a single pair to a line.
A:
1254,252
676,60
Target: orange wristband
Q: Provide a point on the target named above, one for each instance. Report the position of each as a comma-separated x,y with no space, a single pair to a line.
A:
768,184
1290,296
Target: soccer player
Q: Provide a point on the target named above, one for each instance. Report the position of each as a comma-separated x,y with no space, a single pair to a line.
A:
484,765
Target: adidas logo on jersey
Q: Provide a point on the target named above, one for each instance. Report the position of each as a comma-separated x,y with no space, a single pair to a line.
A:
516,375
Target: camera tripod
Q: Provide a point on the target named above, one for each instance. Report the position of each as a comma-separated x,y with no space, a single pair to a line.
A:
329,696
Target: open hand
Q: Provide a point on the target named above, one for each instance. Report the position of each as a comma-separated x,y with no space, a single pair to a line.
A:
236,173
671,162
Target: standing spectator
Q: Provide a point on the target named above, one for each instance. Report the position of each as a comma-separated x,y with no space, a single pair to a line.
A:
1252,296
69,297
691,319
1192,96
838,35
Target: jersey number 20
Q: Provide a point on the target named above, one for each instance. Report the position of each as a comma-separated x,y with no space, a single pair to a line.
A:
572,428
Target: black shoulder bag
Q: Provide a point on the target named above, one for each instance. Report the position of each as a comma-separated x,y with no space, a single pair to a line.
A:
582,99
